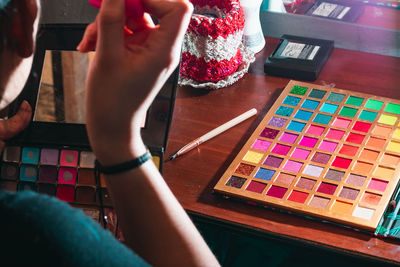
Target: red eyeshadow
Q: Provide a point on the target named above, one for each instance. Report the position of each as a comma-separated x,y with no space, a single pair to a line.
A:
276,191
66,193
256,187
341,162
362,126
355,138
327,188
298,196
348,150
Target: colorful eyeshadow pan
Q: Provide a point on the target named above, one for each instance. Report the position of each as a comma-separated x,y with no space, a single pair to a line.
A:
368,115
374,104
323,152
277,122
244,169
256,187
261,145
49,156
272,161
265,174
348,112
296,126
303,115
288,138
315,130
269,133
348,150
30,155
322,118
285,179
335,97
298,196
321,158
335,134
354,101
284,111
300,153
291,100
276,191
392,108
310,104
315,93
69,158
341,123
329,108
362,126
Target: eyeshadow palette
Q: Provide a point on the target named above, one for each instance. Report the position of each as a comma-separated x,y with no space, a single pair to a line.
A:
329,153
53,155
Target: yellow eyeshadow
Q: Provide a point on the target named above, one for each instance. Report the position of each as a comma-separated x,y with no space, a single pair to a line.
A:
396,134
387,119
252,156
341,207
394,146
382,172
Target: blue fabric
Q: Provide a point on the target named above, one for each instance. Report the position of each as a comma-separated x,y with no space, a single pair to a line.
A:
38,230
3,3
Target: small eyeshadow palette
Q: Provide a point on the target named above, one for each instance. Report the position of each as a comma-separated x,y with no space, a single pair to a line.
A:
325,152
299,57
348,11
53,155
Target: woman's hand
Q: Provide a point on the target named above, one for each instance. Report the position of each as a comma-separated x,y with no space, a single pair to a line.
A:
14,125
128,71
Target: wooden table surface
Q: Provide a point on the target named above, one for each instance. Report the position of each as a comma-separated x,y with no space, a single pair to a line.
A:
193,175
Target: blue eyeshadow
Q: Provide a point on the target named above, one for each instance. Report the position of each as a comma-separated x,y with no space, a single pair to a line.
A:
310,104
296,126
303,115
264,174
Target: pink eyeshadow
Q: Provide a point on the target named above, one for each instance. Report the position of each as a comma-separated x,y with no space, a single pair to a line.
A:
261,145
67,176
335,134
293,166
276,191
308,141
341,123
69,158
300,153
377,184
328,146
315,130
288,138
280,149
256,187
327,188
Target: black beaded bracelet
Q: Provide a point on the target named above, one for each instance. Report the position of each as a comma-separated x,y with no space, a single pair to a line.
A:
123,167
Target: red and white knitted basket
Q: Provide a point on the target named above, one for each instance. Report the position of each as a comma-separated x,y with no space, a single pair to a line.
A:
213,54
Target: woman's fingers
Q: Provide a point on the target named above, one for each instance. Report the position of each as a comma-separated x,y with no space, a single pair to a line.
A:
14,125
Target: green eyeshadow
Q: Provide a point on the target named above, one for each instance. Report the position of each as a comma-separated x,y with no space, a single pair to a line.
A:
368,115
322,118
298,90
374,104
315,93
392,108
335,97
348,112
354,101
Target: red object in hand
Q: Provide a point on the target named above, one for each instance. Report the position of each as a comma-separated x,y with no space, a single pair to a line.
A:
133,8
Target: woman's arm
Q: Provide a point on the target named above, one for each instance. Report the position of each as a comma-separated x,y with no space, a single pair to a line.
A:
126,74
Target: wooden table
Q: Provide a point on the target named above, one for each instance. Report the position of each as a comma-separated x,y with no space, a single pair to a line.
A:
193,175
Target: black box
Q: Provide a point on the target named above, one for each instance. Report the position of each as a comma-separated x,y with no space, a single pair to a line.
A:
299,58
337,10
